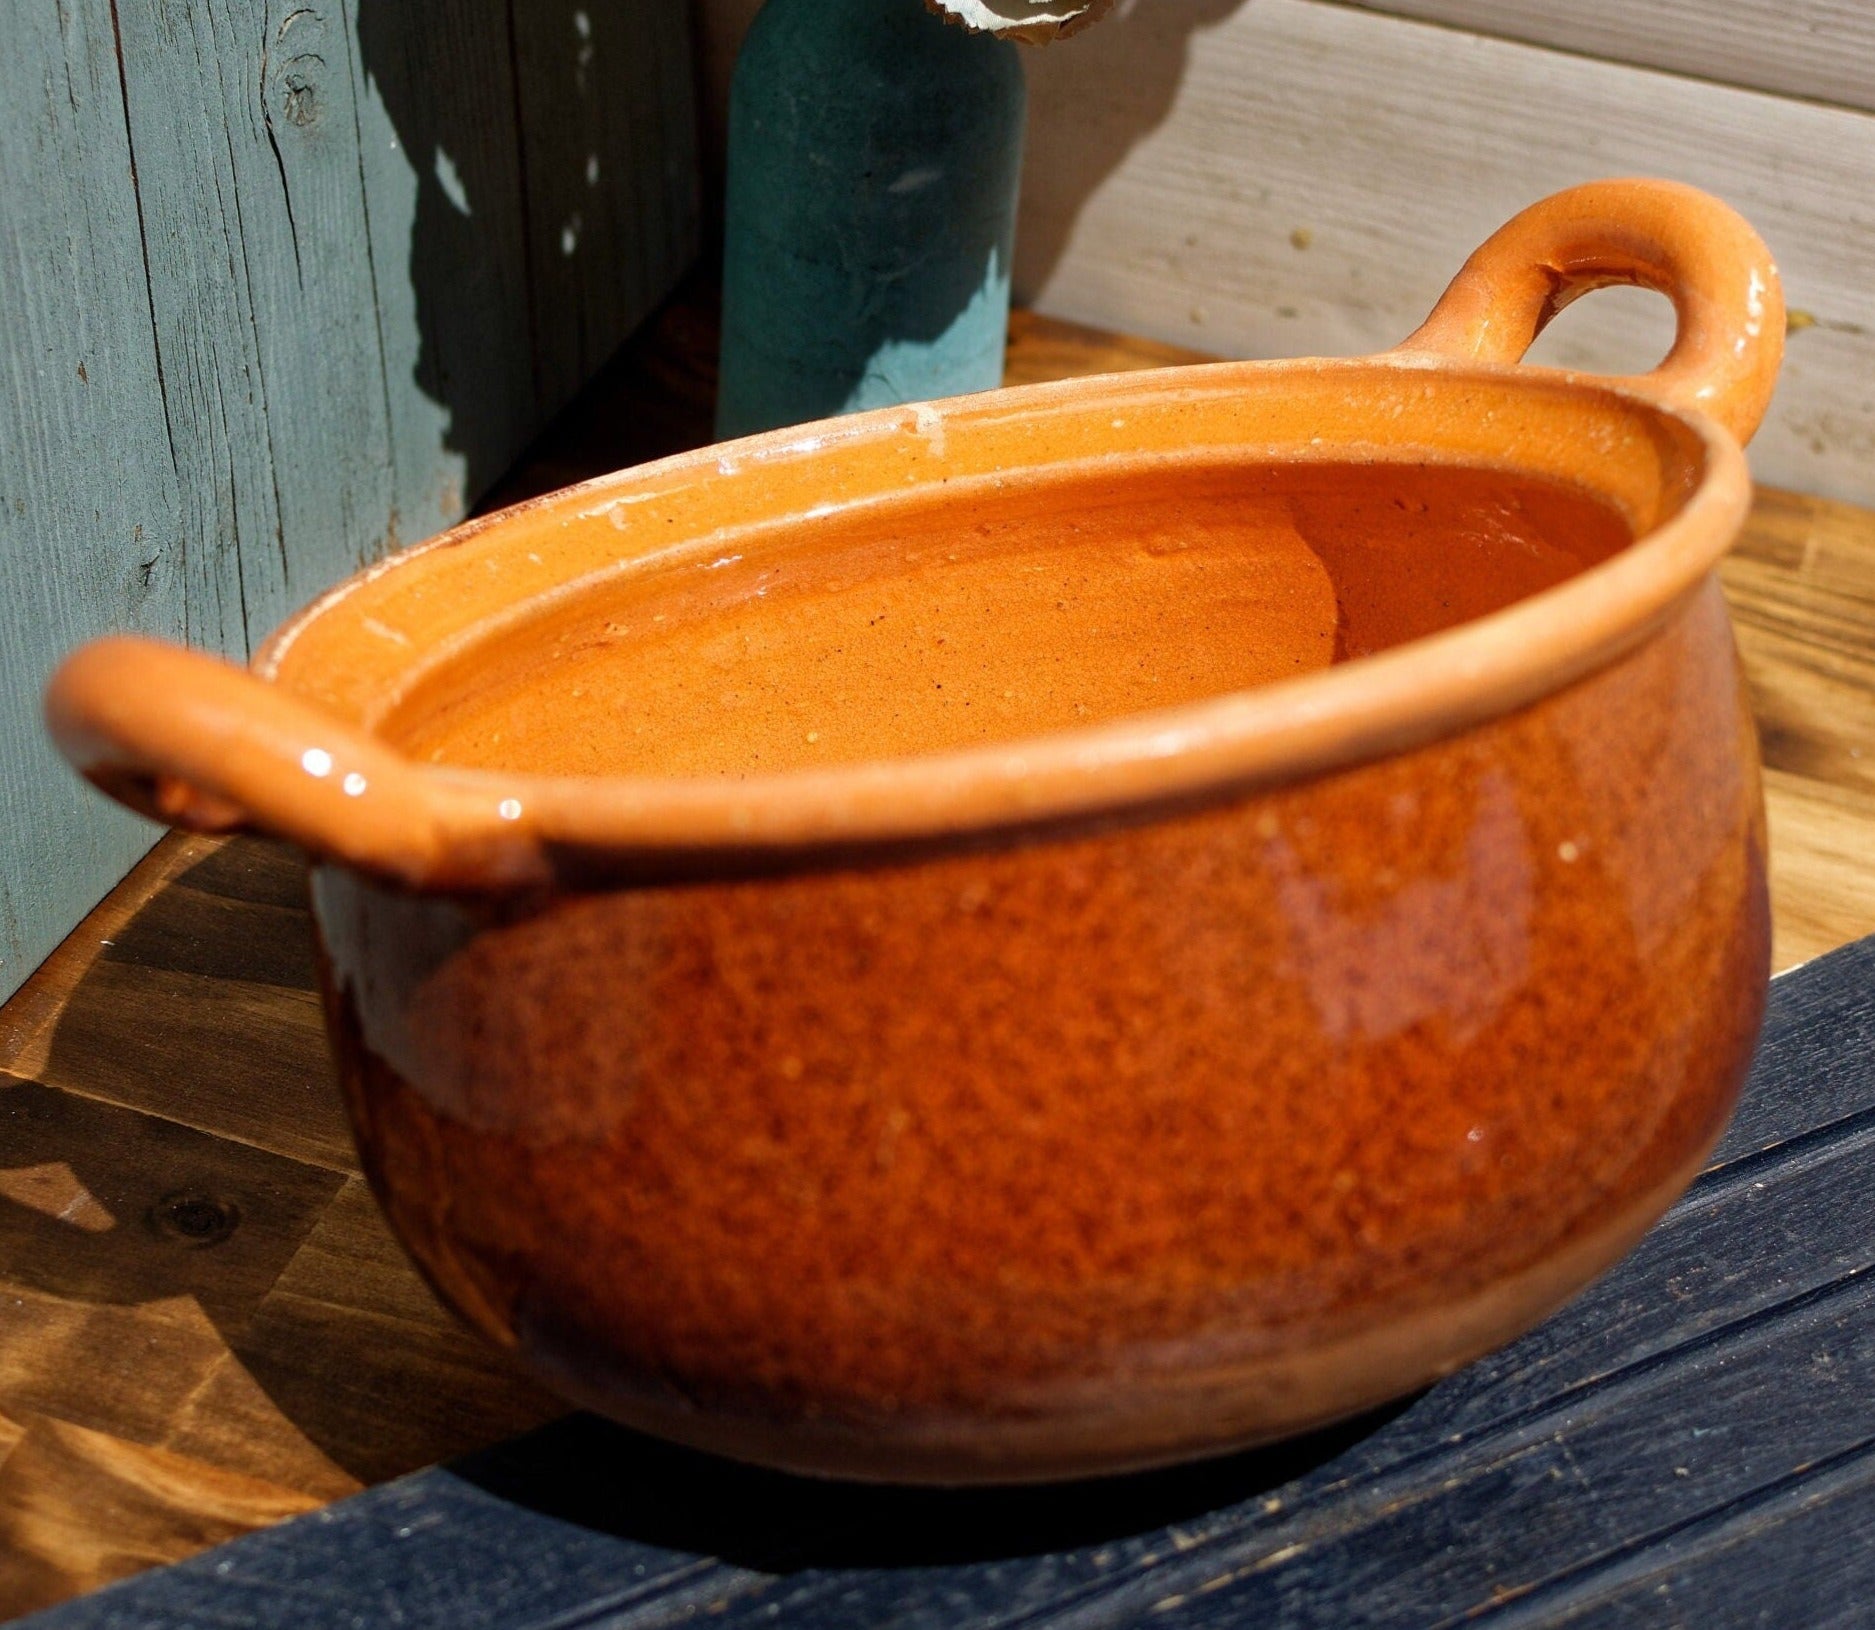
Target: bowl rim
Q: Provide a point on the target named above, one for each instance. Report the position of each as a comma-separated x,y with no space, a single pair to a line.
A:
1292,729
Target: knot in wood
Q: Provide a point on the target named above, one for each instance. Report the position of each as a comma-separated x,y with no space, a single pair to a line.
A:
194,1219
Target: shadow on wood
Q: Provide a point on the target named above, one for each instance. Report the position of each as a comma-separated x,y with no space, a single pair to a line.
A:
203,1006
547,175
609,1480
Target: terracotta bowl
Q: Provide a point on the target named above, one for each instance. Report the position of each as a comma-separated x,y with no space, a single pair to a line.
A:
1053,931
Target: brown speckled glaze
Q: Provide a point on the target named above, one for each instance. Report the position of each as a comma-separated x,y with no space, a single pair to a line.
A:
1067,1155
1195,1044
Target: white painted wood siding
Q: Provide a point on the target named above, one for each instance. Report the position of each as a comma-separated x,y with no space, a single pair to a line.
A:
1286,178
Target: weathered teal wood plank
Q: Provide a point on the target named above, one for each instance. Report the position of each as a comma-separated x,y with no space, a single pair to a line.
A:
289,243
90,501
273,378
322,352
604,92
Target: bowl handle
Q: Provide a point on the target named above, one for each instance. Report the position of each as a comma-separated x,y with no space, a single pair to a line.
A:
1661,235
201,744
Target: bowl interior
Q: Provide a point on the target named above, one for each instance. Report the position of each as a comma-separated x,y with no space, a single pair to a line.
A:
943,621
974,573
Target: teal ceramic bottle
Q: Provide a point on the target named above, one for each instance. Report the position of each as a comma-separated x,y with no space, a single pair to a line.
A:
874,153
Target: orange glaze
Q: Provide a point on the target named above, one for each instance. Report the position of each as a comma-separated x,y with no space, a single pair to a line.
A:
958,625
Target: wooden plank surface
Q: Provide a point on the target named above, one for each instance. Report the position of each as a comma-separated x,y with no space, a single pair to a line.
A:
271,310
191,1268
105,1507
1803,604
1692,1441
1821,50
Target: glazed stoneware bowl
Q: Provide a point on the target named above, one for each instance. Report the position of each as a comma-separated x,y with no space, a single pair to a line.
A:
1054,931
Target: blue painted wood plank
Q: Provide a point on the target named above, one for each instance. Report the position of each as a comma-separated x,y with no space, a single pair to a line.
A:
273,382
1693,1442
288,247
1801,1554
91,532
1559,1495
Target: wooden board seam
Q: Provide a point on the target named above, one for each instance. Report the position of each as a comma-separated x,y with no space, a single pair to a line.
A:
336,1168
1473,30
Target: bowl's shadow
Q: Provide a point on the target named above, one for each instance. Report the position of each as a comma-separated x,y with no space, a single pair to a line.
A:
614,1481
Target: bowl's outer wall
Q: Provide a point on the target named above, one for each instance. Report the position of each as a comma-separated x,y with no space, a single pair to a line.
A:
1095,1151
